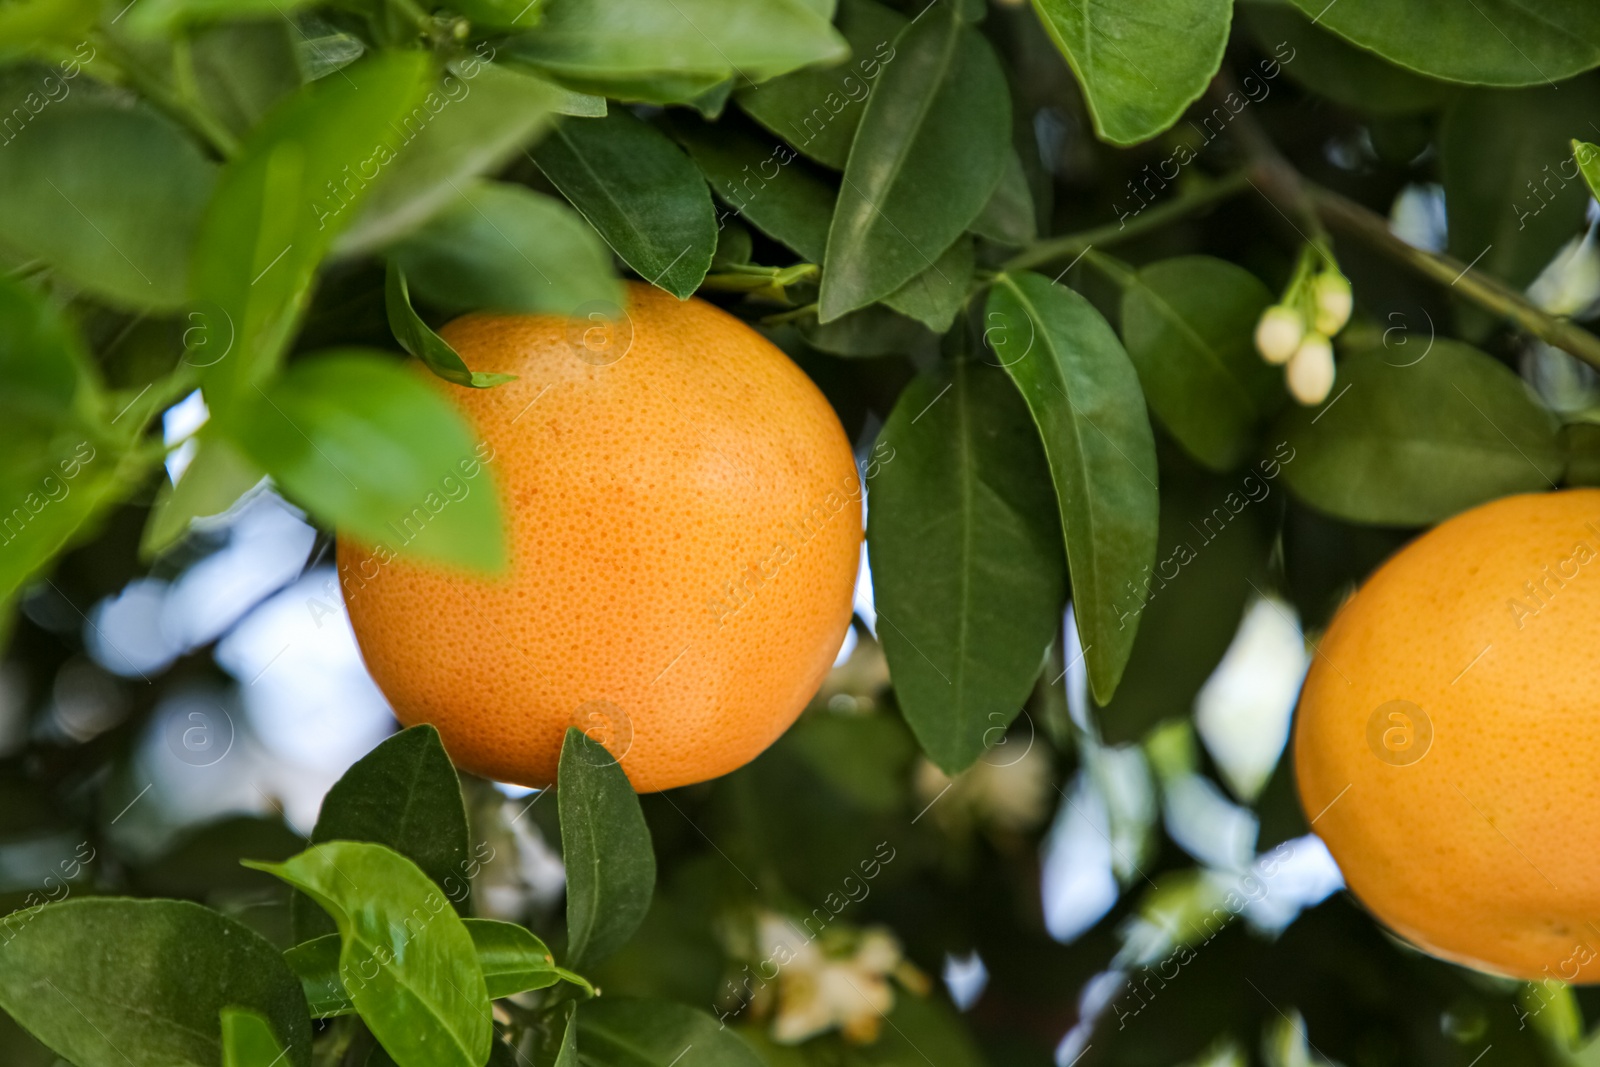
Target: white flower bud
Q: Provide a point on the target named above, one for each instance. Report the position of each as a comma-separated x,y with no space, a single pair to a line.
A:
1278,333
1310,373
1332,292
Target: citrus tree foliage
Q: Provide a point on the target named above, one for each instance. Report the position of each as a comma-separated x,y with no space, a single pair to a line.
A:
1041,258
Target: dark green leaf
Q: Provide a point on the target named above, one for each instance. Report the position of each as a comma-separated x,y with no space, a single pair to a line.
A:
872,331
567,1053
107,981
640,191
405,957
502,247
1139,67
1486,42
366,444
213,482
1008,217
243,69
624,1032
929,153
1329,65
403,794
1084,395
1514,193
1189,325
108,195
935,296
280,203
967,568
611,864
1412,443
734,246
247,1040
478,117
818,110
417,338
672,53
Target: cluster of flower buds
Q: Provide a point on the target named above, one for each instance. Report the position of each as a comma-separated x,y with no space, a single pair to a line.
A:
1297,332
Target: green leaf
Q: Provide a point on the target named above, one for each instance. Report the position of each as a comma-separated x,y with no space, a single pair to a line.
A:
567,1053
502,247
213,482
415,337
611,864
764,183
818,110
403,794
369,446
477,118
872,331
278,206
37,25
1486,42
671,53
1329,65
967,567
108,195
1415,442
1189,326
243,69
109,981
929,153
640,192
628,1032
247,1040
405,957
935,296
1513,191
1587,156
1084,395
162,17
1008,218
1139,67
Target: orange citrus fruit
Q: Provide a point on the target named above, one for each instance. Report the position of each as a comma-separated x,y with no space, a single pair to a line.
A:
684,525
1447,734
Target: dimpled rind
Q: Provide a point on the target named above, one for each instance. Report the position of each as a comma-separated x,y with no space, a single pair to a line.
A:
1474,844
684,520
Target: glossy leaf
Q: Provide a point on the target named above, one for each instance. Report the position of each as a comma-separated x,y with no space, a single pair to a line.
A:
1139,67
472,122
611,864
416,337
640,192
1084,395
108,195
1412,442
1486,42
1189,325
967,566
501,247
278,206
929,153
247,1040
369,446
818,110
108,981
671,53
935,296
406,959
627,1032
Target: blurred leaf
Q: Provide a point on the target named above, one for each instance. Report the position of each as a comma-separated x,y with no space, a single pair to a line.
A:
1501,153
865,757
935,296
247,1040
501,14
157,17
818,110
626,1032
917,1023
1008,218
280,203
1487,42
405,957
1332,67
611,864
403,794
1587,156
1084,395
638,189
243,69
503,247
34,25
1139,68
1413,444
671,53
108,981
872,331
929,153
476,119
966,559
367,445
415,337
205,860
108,195
213,482
1189,326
